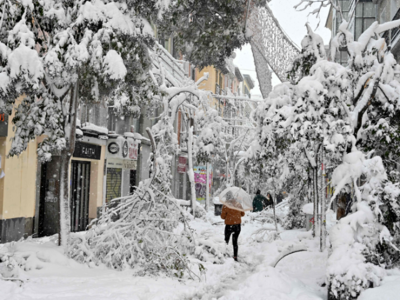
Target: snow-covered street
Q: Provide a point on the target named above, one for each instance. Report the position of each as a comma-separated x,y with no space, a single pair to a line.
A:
298,276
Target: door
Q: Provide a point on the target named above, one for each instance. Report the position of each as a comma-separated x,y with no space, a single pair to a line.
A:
132,181
49,205
80,191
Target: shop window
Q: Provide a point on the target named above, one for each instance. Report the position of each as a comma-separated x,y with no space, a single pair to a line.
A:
114,179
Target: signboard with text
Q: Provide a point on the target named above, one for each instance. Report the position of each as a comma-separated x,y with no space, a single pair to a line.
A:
182,164
85,150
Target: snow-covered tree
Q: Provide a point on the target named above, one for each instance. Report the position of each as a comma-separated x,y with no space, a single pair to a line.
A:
56,53
335,111
359,258
207,32
148,231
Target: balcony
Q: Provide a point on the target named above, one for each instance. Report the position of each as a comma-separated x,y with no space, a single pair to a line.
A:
391,35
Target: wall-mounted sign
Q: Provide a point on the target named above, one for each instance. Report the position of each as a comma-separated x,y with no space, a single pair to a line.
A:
3,124
118,163
182,164
125,149
130,164
113,148
133,150
85,150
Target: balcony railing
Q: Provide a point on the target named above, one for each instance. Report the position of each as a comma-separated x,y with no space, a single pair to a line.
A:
391,35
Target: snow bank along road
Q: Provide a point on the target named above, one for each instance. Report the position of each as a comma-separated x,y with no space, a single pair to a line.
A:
299,276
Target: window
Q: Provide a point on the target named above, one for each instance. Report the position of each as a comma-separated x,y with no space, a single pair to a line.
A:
393,8
365,16
345,7
342,57
193,69
111,119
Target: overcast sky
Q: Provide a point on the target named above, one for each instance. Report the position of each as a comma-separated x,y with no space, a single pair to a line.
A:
293,23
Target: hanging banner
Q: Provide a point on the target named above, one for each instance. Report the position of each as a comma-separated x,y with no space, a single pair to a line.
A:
200,180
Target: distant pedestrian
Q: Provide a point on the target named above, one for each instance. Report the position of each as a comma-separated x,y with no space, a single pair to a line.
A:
259,202
233,220
269,201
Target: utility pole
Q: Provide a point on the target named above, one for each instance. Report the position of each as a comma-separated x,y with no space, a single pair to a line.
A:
190,171
208,188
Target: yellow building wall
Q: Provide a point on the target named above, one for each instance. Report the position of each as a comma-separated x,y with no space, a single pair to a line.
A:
18,187
210,84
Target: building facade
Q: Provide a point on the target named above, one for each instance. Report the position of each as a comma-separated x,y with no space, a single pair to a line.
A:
360,15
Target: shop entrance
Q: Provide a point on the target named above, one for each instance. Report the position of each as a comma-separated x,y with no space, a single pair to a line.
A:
80,191
49,205
132,181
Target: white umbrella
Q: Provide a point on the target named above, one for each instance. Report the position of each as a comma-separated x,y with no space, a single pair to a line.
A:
236,198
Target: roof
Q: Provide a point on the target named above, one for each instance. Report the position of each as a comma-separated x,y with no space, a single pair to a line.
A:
249,81
238,74
328,23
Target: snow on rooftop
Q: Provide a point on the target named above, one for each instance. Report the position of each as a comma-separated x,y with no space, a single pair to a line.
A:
94,128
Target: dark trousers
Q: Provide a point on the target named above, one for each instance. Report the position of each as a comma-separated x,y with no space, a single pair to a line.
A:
235,231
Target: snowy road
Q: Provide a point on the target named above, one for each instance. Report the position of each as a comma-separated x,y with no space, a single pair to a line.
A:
297,276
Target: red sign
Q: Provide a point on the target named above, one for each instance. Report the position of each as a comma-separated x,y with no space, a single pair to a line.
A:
182,164
133,150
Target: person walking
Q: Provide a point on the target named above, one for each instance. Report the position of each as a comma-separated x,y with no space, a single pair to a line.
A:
233,221
259,202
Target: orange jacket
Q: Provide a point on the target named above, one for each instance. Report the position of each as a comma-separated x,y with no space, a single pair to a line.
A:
231,216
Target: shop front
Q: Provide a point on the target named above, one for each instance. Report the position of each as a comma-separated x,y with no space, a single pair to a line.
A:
122,155
86,187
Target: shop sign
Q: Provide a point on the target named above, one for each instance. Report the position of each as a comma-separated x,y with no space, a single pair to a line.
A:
113,148
182,164
85,150
133,151
3,124
129,164
125,149
126,164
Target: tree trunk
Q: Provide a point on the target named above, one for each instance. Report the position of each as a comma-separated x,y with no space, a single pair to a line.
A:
322,199
65,217
191,174
317,219
208,188
273,207
314,203
66,155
